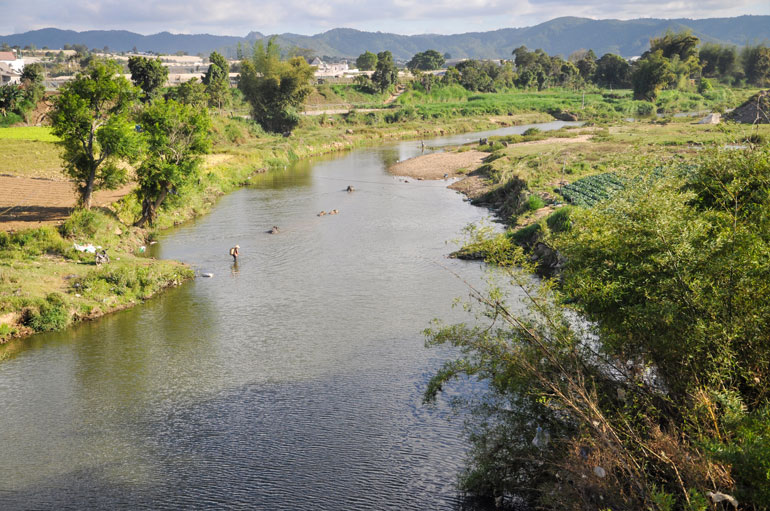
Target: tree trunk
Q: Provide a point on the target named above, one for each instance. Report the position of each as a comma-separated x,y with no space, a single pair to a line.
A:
150,208
88,190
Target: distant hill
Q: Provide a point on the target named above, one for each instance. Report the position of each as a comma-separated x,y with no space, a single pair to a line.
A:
557,36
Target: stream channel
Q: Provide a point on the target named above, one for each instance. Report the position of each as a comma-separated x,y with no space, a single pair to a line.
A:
293,380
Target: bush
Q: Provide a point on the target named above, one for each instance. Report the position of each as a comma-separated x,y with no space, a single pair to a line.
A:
535,202
644,108
530,132
704,85
52,315
83,223
559,220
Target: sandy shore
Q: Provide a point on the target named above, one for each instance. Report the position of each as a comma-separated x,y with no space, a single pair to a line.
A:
435,165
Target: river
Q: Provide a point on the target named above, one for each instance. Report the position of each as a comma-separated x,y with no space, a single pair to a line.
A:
292,380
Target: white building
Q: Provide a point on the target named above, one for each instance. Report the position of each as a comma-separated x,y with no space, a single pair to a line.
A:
9,58
9,75
329,70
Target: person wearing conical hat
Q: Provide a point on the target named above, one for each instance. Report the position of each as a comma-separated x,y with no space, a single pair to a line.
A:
234,253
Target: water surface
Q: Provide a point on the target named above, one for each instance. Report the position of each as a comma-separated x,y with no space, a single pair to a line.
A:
291,380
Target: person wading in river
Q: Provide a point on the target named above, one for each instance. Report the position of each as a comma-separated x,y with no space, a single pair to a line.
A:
234,253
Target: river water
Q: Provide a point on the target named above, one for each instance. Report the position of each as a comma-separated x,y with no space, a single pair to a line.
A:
292,380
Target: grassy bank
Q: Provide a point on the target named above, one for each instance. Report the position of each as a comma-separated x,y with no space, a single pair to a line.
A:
46,284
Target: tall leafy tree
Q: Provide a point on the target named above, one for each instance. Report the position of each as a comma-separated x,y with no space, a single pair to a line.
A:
612,71
385,74
147,74
91,116
367,61
274,88
217,80
176,135
426,61
756,63
651,74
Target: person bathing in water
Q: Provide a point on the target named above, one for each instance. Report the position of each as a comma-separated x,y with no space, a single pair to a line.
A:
234,253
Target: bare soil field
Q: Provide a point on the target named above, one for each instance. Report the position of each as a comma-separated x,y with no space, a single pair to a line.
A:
28,202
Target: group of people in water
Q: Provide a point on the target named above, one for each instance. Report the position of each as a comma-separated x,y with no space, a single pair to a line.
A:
235,251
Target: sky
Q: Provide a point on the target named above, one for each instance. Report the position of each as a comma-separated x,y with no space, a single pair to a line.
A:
228,17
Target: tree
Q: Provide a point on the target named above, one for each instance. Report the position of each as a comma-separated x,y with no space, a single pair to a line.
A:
176,136
385,73
426,61
10,97
91,116
217,80
367,61
612,71
587,65
147,74
651,74
191,92
682,46
275,89
756,63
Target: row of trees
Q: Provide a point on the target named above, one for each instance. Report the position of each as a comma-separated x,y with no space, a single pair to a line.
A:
105,122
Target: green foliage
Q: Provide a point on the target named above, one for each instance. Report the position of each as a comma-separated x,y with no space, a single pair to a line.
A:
756,64
367,61
52,315
612,71
426,61
535,202
92,118
83,224
560,221
175,135
590,190
191,92
651,74
704,85
147,74
385,72
217,80
275,89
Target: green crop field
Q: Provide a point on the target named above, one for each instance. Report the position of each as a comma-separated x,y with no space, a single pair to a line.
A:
35,133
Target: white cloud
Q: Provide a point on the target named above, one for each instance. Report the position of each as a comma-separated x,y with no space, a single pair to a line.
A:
304,16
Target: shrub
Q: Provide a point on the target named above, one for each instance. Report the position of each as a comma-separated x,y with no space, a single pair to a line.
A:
530,132
559,220
535,202
52,315
83,223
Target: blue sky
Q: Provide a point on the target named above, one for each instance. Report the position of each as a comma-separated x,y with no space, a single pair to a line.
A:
229,17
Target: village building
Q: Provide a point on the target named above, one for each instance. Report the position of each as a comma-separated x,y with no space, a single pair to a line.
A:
324,70
10,68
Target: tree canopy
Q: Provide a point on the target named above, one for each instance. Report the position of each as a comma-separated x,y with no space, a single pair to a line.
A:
175,134
367,61
385,73
217,80
426,61
148,74
275,88
92,118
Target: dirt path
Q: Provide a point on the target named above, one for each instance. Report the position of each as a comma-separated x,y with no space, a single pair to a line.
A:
435,165
26,202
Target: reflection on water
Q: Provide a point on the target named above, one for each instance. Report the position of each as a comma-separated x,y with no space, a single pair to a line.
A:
290,380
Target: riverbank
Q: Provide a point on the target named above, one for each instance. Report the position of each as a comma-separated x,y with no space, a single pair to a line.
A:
42,275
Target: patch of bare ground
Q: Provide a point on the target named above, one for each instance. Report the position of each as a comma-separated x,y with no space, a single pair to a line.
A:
27,203
436,165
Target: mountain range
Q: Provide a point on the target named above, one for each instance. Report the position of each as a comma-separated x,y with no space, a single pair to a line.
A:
557,36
